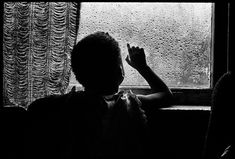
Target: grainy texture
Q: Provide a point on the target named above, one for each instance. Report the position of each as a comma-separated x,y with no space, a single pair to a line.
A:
37,41
175,36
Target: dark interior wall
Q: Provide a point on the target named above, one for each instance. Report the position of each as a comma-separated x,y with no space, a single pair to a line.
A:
178,134
12,130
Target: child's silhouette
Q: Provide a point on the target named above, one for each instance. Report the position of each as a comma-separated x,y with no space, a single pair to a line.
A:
101,120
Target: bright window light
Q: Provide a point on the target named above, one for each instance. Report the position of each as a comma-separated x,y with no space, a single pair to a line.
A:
176,37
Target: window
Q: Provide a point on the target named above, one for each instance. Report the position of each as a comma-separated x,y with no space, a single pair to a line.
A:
176,37
192,42
186,43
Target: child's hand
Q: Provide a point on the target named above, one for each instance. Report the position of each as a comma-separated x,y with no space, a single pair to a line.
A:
136,57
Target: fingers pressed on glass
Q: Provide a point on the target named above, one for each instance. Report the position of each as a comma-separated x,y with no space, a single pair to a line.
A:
128,46
130,49
127,58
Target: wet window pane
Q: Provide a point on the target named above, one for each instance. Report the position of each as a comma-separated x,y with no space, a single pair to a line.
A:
176,38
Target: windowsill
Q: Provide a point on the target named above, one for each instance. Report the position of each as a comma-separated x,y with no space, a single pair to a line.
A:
175,108
187,108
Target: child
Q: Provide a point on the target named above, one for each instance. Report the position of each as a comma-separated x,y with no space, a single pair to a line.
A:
97,64
101,120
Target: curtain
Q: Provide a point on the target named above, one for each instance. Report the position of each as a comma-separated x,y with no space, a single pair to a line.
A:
37,41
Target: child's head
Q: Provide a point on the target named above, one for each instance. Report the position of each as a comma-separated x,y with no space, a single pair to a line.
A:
97,63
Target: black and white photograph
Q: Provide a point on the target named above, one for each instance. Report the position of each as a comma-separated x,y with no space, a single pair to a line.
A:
117,79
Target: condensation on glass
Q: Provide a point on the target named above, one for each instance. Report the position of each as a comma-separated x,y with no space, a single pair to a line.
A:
176,38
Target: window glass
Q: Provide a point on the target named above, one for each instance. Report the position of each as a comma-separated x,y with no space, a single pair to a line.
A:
176,38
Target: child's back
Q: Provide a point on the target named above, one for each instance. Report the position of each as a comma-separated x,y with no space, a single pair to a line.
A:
100,120
86,124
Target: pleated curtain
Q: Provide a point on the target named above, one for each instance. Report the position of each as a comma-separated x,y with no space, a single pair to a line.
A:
37,41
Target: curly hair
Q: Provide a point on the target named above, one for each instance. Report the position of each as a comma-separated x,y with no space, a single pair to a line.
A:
96,61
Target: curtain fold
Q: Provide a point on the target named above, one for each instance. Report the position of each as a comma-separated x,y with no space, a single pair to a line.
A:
38,38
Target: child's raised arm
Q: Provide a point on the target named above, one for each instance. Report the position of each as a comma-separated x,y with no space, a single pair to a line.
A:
161,95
